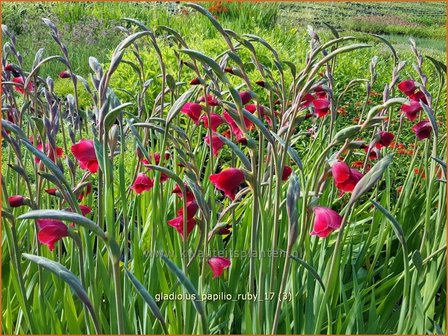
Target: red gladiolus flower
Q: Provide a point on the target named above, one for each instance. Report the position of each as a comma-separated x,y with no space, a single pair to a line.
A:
417,96
373,155
344,177
235,129
142,183
50,152
326,221
245,97
210,100
16,201
20,89
51,191
287,170
407,87
261,83
86,192
321,107
155,158
64,74
216,121
51,230
193,110
84,152
178,222
218,265
9,67
216,144
228,181
188,193
307,100
422,130
195,81
385,139
85,210
320,92
411,110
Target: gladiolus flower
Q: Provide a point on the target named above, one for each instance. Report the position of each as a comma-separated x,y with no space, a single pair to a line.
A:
216,121
85,210
178,222
195,81
20,80
86,192
155,157
320,92
142,183
64,74
218,265
373,155
235,129
51,230
216,144
422,130
189,193
261,83
210,100
385,139
344,177
307,100
321,107
193,110
16,201
245,97
287,170
51,191
407,87
326,221
50,152
411,110
84,152
228,181
417,96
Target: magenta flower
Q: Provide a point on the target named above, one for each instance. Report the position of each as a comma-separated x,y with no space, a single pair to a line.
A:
212,101
228,181
411,111
407,87
189,194
422,130
193,110
84,152
326,221
51,230
20,89
49,152
287,170
216,144
16,201
178,222
344,177
385,139
245,97
218,265
216,121
142,183
321,107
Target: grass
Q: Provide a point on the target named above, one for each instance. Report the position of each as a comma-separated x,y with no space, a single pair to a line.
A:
122,268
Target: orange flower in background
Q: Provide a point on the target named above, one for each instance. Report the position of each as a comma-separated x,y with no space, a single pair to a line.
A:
342,111
399,189
420,172
356,120
358,164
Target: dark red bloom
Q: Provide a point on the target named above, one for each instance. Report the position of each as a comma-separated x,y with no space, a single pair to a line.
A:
210,100
326,221
188,193
9,67
20,80
373,155
287,170
245,97
51,191
321,107
195,81
228,181
320,92
417,96
178,222
422,130
385,139
51,230
307,100
218,264
155,158
142,183
84,152
193,110
86,192
216,144
16,201
261,83
407,87
411,111
85,210
49,152
344,177
216,121
234,127
64,74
